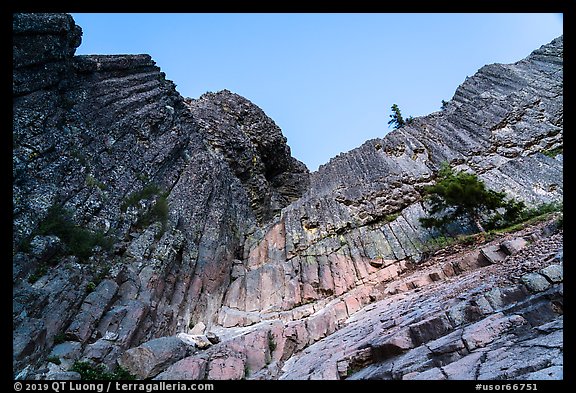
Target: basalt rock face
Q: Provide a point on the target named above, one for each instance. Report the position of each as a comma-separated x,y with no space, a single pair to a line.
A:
254,147
229,260
110,139
360,215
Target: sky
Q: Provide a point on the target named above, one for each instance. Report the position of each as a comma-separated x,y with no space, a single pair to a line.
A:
327,80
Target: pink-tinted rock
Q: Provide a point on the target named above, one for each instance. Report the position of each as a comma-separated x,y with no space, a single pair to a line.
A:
303,311
465,368
293,295
199,341
325,276
317,326
434,374
421,281
340,311
91,310
467,262
352,304
190,368
255,346
309,271
392,345
298,333
227,367
274,242
448,270
489,329
253,281
362,265
308,292
236,294
343,273
271,287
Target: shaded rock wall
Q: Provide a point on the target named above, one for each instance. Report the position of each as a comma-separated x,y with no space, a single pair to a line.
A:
255,149
109,138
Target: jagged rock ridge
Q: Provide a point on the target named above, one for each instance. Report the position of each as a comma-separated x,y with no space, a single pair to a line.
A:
255,149
251,247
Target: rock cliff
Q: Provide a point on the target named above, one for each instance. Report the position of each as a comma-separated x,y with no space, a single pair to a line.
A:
212,253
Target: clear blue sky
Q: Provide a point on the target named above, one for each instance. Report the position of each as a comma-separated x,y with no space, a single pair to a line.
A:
328,80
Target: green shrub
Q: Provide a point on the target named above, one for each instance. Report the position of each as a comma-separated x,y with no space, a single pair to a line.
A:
461,195
77,240
440,242
93,182
542,209
54,359
122,374
59,338
271,342
89,372
157,213
553,152
391,217
101,275
467,240
147,192
90,287
38,273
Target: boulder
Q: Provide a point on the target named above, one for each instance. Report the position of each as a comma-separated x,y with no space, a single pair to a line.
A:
511,247
430,329
535,282
190,368
45,247
393,345
67,352
199,341
483,332
493,254
554,273
153,357
199,328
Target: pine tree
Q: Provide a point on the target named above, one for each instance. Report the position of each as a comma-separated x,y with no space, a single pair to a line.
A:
396,117
444,105
463,196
